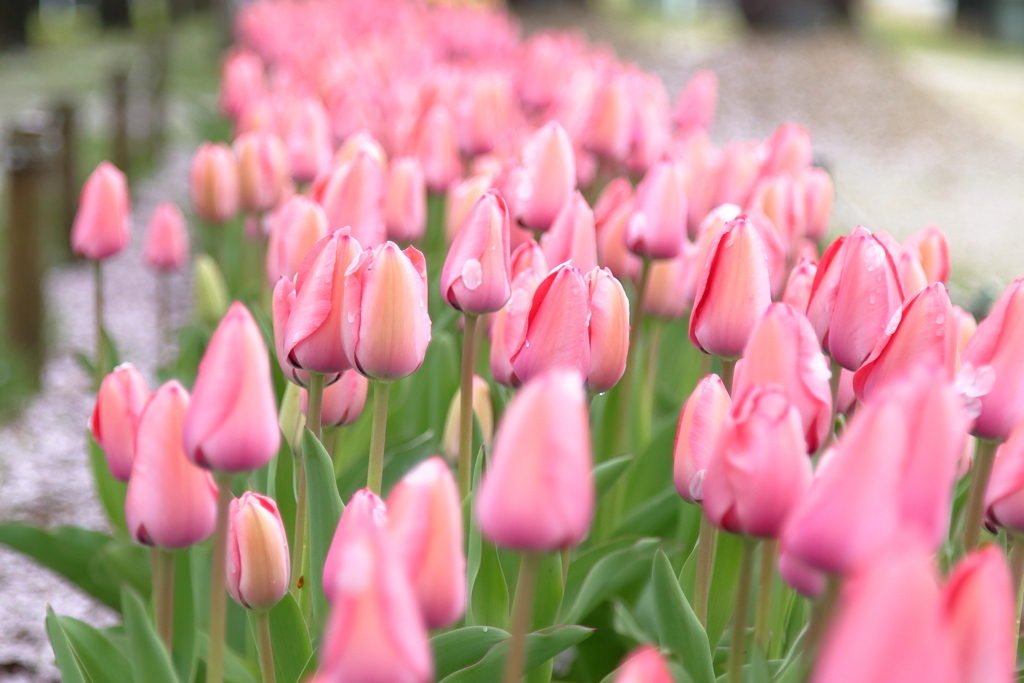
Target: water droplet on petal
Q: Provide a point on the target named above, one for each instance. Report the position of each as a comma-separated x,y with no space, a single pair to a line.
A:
472,274
351,317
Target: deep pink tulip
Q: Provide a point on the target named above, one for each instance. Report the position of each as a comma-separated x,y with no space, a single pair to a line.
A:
405,200
924,329
556,333
101,227
231,423
476,277
760,467
695,107
966,326
538,494
819,196
437,148
789,151
461,198
933,251
166,245
657,228
611,244
213,182
508,325
425,526
115,417
700,423
262,170
615,193
733,291
365,513
741,166
997,365
307,137
170,503
386,327
856,292
609,329
802,578
353,196
1004,497
644,665
257,562
548,178
343,400
296,227
242,81
798,287
670,284
572,238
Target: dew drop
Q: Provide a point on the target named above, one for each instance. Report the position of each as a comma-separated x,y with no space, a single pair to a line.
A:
472,274
940,320
351,317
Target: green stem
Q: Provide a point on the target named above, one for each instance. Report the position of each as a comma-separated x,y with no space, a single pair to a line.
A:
738,642
706,544
728,366
821,614
298,539
763,616
314,406
265,647
466,406
522,611
650,379
375,470
1016,574
164,597
626,383
980,473
218,597
330,440
101,361
566,559
705,364
837,373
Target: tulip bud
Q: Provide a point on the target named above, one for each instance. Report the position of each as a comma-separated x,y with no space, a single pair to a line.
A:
789,151
819,196
166,245
487,112
461,198
932,251
538,494
733,291
343,400
360,141
669,291
298,225
257,559
290,418
966,326
115,417
644,665
798,287
549,176
703,162
611,244
170,503
482,410
610,128
262,170
508,327
209,290
994,360
242,81
696,104
405,200
571,238
778,198
437,148
307,137
774,248
101,227
529,255
425,525
741,166
846,399
609,329
213,182
713,224
700,423
353,196
657,228
1004,497
615,193
475,276
908,265
231,424
386,328
365,513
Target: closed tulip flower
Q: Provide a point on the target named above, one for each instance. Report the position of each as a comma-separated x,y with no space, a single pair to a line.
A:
530,255
231,424
508,325
101,227
405,200
297,226
242,81
644,665
213,182
166,245
115,417
741,166
281,304
360,141
365,513
257,561
819,196
615,193
733,291
461,198
307,137
610,128
700,423
353,196
262,170
538,494
695,107
611,244
343,400
425,526
789,150
487,112
483,411
386,328
1004,496
170,503
933,252
437,148
571,237
609,329
798,287
657,228
670,282
549,176
475,278
966,326
911,272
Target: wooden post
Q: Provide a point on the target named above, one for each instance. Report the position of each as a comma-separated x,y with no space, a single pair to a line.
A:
120,152
67,167
159,55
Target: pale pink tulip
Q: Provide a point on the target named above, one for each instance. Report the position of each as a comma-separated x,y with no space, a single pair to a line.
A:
1004,496
343,401
257,560
798,287
213,182
307,137
296,227
166,245
548,178
789,151
644,665
242,81
700,423
819,196
353,196
476,277
657,228
608,328
115,417
461,198
101,226
405,200
436,146
670,284
611,244
571,238
695,107
508,326
933,252
262,170
365,513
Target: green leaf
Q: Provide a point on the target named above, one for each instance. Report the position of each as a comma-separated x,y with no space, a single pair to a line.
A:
722,594
124,563
463,647
284,488
64,653
547,601
653,517
679,629
111,492
97,656
292,649
625,624
489,598
236,669
184,651
325,508
608,472
150,661
608,575
540,647
651,469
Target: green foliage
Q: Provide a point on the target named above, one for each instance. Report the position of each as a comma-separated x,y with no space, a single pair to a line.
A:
325,508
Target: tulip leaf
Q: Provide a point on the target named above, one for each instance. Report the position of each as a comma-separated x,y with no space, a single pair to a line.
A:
489,598
284,487
540,647
184,649
110,491
236,669
653,517
292,648
98,658
124,562
463,647
546,603
651,468
679,630
722,595
149,659
325,508
64,653
608,472
626,625
608,575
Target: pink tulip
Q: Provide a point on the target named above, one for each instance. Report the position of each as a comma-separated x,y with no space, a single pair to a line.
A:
670,282
651,135
819,196
166,245
307,137
966,326
360,141
741,166
1004,497
213,182
508,327
281,304
101,227
242,81
405,200
437,149
365,513
529,255
993,358
779,199
487,112
231,423
262,170
760,467
475,278
610,128
296,227
538,493
733,291
700,423
856,292
775,251
657,228
933,252
170,503
556,332
911,272
608,328
461,198
343,401
549,176
611,244
801,577
386,328
615,193
707,231
353,196
798,287
644,665
115,417
425,526
703,162
571,238
696,104
789,151
846,399
257,561
924,330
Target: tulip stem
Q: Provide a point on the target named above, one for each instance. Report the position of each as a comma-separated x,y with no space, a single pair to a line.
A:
738,642
218,597
101,362
626,383
265,647
980,473
314,405
728,366
163,316
164,606
375,470
763,616
466,405
1016,574
522,611
821,613
298,540
650,379
706,545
